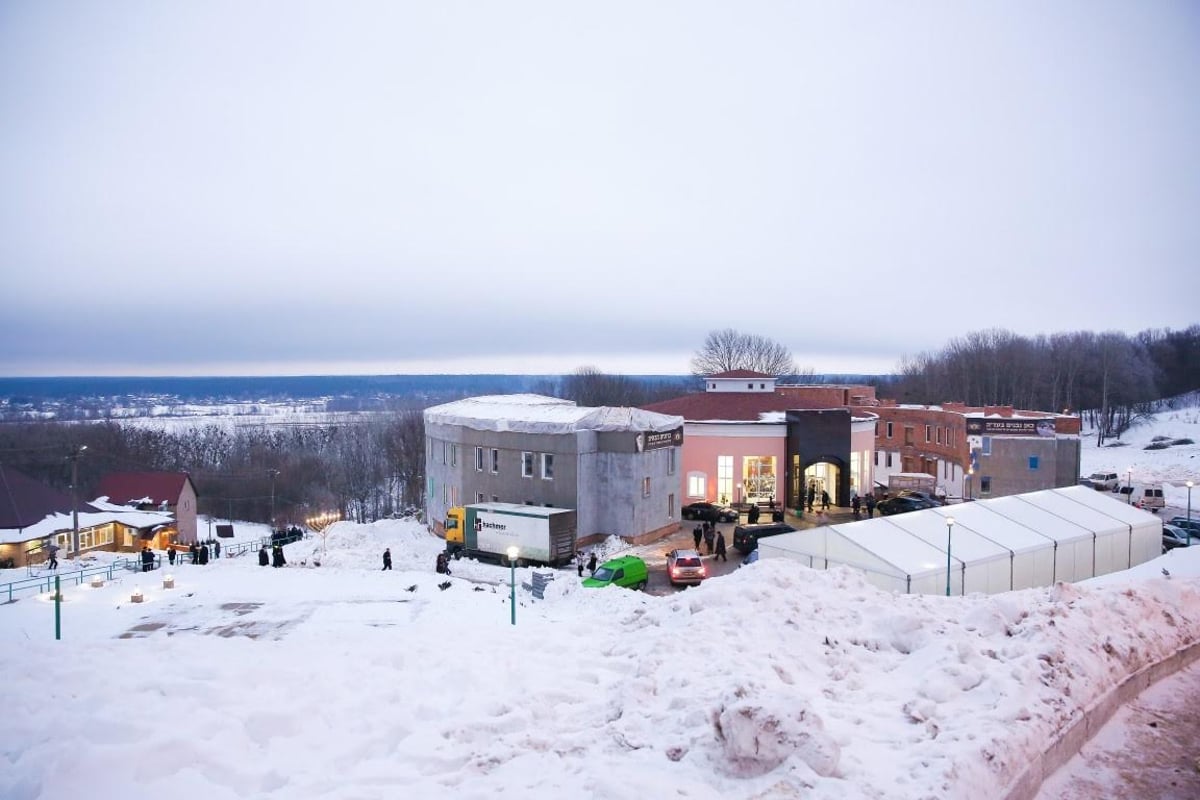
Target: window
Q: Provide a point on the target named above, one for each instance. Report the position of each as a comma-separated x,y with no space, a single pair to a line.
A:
547,466
908,435
889,430
985,484
670,505
939,436
877,458
1033,462
889,458
445,452
479,497
876,427
928,433
987,445
724,478
762,386
479,459
445,493
454,455
495,498
526,464
671,453
697,484
749,385
645,487
495,461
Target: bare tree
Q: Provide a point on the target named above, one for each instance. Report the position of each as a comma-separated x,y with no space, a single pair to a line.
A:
728,349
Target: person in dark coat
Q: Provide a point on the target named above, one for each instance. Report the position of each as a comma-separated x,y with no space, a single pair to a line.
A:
709,537
579,562
697,535
203,554
277,559
194,552
752,515
443,564
171,556
263,558
387,558
52,562
147,558
592,564
721,547
812,495
216,549
855,505
870,505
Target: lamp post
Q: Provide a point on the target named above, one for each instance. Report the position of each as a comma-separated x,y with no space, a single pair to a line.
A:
513,552
970,473
1129,486
1189,485
75,499
949,528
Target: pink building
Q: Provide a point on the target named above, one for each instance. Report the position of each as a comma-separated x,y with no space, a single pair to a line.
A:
747,439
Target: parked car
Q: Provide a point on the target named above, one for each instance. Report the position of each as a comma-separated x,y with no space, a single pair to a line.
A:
1104,481
932,498
902,503
1192,524
1174,536
685,566
627,571
750,558
709,511
745,537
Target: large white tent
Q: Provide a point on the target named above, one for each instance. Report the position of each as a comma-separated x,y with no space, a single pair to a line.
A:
992,546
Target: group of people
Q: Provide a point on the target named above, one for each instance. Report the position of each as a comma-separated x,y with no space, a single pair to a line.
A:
812,498
275,559
857,504
714,539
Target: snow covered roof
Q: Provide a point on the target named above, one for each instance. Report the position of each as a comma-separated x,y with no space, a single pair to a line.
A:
535,413
58,522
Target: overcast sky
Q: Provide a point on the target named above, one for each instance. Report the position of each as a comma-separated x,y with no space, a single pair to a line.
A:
291,188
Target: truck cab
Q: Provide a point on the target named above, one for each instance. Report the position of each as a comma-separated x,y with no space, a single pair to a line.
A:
455,520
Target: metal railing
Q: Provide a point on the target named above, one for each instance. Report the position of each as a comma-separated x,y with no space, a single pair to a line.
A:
45,581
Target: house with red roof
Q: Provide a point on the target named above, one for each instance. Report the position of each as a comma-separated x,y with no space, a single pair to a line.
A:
749,439
171,492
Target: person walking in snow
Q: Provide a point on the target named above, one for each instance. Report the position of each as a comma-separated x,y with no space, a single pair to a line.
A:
216,549
52,562
387,558
824,500
592,564
721,547
697,535
171,556
855,505
870,505
263,558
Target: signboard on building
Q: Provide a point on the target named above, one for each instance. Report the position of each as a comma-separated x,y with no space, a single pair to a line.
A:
656,440
977,426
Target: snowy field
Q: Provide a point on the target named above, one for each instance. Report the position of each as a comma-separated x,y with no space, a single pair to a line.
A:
345,681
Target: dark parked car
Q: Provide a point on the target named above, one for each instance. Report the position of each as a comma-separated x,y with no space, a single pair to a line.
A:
902,503
709,511
745,537
1183,522
931,498
1174,537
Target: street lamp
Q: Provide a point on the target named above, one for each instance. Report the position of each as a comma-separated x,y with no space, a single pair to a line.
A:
949,528
1189,485
1129,486
513,552
970,472
75,499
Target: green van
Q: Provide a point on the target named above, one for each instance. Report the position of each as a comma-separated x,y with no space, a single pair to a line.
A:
627,571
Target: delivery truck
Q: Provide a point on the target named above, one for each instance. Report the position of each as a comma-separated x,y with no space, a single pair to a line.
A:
486,531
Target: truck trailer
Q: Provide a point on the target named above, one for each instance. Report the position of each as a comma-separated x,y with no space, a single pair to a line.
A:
487,530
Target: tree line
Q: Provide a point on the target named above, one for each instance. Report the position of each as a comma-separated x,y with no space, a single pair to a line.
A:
1111,378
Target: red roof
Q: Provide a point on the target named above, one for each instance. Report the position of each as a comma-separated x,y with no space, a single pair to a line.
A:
24,501
735,406
124,488
741,373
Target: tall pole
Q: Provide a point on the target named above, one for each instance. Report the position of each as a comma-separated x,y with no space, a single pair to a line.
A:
57,609
274,472
1190,484
75,500
1129,486
513,552
949,528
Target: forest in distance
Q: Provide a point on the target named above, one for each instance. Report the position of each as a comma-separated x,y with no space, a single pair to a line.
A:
370,466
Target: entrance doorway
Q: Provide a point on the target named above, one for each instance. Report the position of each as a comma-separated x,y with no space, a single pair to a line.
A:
822,477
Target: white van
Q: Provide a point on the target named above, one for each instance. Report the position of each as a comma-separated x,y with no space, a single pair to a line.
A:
1143,495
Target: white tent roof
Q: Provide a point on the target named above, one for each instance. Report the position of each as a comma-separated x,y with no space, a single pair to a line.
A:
1037,519
866,545
931,528
1108,504
1055,502
983,520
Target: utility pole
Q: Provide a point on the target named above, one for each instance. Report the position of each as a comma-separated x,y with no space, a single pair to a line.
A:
273,472
75,499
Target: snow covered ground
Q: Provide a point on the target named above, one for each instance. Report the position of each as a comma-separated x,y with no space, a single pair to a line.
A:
346,681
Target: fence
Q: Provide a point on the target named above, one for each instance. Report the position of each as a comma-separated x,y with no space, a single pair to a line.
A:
45,581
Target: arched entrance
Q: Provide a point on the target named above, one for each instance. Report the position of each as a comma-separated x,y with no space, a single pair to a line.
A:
823,476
